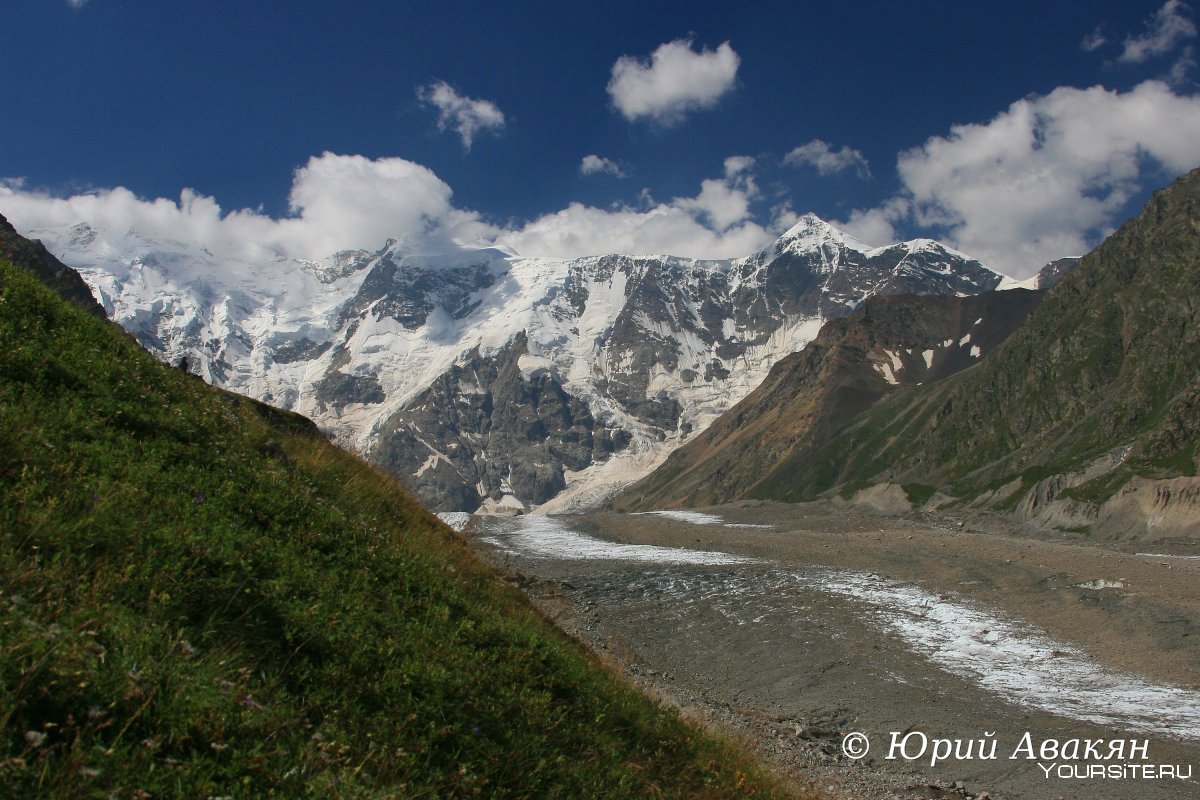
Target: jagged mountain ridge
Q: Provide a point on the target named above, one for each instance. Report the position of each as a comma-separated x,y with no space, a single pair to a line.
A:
422,362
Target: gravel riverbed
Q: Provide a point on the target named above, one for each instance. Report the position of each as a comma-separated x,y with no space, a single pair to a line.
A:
791,626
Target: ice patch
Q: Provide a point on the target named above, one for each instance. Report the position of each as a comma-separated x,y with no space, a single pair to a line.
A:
700,518
694,517
975,351
1168,555
548,537
455,519
1101,583
928,356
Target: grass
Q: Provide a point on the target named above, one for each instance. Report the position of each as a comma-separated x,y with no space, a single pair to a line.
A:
918,493
201,597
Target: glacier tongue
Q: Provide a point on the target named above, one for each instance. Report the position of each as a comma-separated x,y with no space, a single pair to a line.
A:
482,379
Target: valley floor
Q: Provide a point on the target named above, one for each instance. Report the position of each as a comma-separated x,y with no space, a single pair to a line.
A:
790,626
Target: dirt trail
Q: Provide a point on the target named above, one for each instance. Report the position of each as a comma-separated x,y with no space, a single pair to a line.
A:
834,621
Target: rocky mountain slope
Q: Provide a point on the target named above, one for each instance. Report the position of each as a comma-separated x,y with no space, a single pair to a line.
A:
888,343
34,257
1087,417
485,380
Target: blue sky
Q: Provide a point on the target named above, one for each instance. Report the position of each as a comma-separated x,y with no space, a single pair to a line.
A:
709,126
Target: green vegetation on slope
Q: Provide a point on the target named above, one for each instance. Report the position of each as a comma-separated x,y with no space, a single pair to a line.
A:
776,434
199,597
1109,363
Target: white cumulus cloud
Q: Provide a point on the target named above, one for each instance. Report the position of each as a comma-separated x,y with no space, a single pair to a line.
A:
736,165
664,228
338,202
826,160
674,81
715,223
1165,30
593,164
876,226
343,202
724,202
1047,177
468,117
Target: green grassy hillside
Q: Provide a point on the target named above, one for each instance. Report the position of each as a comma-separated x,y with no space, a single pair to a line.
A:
200,597
809,396
1101,382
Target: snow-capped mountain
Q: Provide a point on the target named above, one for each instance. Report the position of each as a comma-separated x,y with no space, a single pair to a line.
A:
483,379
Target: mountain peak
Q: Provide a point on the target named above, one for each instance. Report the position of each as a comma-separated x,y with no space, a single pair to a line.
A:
813,231
809,224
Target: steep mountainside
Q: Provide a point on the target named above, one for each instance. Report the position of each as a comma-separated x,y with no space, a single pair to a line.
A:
1053,273
34,257
1088,416
203,598
889,342
483,379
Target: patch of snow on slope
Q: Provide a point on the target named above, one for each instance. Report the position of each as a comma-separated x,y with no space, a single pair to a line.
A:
885,369
897,364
